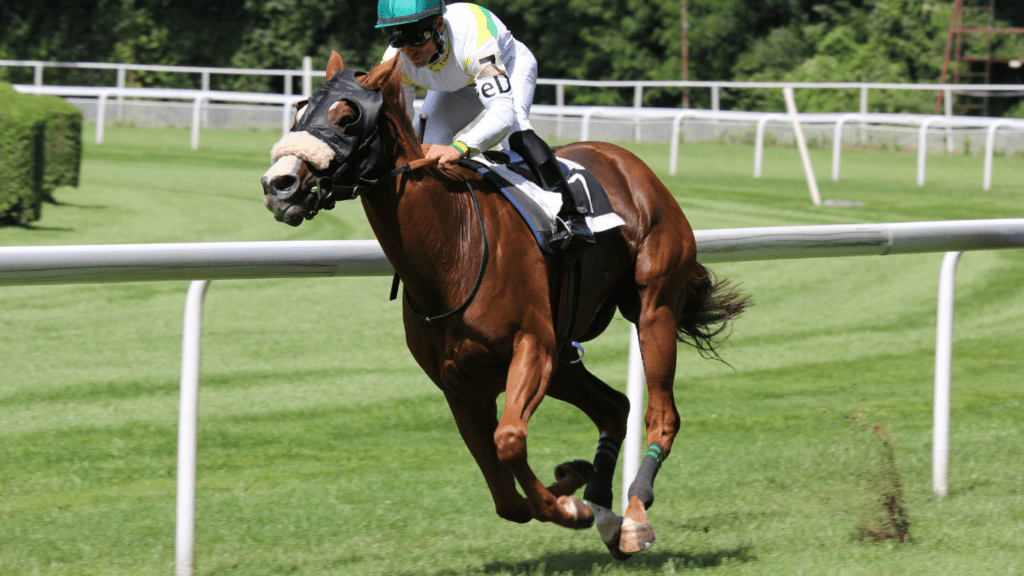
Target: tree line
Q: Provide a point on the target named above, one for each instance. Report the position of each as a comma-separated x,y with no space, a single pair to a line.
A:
764,40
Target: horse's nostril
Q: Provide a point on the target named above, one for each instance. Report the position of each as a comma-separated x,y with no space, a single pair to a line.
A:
286,184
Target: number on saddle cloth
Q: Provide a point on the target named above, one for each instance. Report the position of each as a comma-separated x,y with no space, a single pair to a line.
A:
538,207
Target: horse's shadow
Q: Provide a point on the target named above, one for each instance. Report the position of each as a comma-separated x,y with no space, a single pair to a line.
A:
596,562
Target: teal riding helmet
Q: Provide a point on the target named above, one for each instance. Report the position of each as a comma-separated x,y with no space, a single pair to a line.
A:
398,12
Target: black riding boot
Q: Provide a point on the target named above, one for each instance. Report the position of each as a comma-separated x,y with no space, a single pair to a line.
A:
541,160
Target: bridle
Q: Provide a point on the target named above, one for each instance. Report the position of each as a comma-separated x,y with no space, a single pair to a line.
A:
363,168
360,144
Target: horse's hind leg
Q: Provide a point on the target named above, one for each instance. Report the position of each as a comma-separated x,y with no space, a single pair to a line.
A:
662,271
608,409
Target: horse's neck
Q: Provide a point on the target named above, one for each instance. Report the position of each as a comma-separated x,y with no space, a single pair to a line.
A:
430,235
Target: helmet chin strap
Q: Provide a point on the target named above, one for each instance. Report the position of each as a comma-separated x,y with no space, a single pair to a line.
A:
439,41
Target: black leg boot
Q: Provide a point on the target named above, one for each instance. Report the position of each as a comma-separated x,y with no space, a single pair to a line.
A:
541,160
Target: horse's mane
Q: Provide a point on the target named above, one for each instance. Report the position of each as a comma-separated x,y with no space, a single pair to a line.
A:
387,76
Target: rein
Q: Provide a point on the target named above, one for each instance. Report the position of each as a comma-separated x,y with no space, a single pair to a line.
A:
483,261
365,155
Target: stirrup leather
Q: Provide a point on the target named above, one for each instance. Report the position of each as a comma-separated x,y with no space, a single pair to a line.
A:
573,232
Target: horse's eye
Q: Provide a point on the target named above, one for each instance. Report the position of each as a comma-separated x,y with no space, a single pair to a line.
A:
345,115
300,111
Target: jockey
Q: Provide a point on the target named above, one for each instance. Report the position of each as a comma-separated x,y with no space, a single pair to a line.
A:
470,63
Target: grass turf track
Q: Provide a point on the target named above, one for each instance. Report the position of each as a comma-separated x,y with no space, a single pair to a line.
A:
324,450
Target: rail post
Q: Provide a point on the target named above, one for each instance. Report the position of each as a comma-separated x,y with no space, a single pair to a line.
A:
837,141
122,74
307,76
101,114
673,155
947,101
197,119
922,147
188,424
990,143
716,106
759,140
943,370
633,444
862,134
805,157
560,102
638,102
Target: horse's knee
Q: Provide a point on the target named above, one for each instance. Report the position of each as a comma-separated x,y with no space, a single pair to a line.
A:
518,512
510,443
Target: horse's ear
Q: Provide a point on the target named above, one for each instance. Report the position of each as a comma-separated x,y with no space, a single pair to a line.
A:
334,65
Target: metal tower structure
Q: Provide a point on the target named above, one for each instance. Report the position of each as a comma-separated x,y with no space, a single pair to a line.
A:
968,57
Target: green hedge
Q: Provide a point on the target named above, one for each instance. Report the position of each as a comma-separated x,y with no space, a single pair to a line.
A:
40,150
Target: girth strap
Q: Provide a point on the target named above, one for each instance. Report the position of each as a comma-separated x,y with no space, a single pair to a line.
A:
569,297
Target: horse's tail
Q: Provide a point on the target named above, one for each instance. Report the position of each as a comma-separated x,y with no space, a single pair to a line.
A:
708,311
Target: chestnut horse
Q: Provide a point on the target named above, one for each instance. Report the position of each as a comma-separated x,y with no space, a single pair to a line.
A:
480,295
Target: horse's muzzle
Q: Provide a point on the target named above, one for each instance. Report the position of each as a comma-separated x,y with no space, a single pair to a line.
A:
282,196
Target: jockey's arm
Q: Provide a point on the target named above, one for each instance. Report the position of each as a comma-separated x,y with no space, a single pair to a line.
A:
495,94
494,89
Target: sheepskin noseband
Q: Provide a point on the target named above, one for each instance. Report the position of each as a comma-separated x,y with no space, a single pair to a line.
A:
357,151
305,146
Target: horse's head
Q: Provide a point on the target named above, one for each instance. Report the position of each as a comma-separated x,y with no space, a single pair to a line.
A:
335,148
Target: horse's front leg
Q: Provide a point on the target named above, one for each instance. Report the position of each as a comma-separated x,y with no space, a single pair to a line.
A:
528,378
476,422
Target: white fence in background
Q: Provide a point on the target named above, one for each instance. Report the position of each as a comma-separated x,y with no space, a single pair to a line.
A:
819,125
309,76
199,99
919,130
36,265
205,72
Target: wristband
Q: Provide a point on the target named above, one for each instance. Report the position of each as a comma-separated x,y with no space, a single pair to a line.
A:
462,148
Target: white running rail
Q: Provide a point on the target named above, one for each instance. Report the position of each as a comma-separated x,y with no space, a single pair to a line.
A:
33,265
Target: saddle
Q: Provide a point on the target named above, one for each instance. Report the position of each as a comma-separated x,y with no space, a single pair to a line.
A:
539,208
510,174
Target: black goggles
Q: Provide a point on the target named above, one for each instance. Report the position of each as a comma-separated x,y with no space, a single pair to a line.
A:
399,39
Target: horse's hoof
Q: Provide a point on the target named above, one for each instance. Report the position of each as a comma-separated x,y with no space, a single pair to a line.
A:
637,533
609,527
570,476
582,513
579,471
614,547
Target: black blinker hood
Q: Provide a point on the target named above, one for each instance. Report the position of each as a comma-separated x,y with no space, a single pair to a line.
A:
360,150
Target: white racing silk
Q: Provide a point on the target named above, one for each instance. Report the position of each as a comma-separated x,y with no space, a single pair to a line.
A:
483,69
